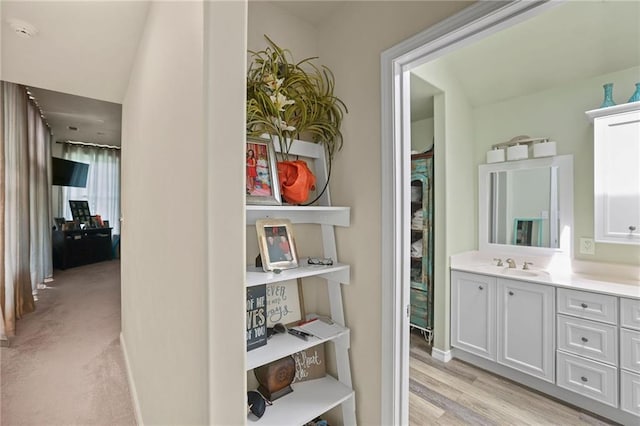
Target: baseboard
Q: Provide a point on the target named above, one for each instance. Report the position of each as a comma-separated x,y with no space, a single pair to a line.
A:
132,386
444,356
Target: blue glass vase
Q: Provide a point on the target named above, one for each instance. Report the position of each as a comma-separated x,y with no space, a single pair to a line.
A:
636,95
608,96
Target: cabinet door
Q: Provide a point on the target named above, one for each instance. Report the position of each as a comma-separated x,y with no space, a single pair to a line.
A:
473,320
630,392
630,350
526,338
617,178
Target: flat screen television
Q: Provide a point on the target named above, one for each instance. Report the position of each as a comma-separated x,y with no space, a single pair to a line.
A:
68,173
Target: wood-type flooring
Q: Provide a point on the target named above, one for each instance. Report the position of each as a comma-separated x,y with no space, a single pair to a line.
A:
457,393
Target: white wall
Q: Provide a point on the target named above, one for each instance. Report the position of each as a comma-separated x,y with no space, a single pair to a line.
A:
558,113
225,88
164,297
422,135
350,44
454,228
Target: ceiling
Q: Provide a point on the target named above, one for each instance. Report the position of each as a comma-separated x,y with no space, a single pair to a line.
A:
572,41
82,53
98,122
87,48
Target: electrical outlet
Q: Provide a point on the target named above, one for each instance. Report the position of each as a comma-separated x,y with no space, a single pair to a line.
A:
587,246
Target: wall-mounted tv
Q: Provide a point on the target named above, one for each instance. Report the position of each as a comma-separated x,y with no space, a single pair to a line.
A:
68,173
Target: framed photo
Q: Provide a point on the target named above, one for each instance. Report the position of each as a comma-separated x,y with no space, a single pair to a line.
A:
285,303
263,186
277,245
80,210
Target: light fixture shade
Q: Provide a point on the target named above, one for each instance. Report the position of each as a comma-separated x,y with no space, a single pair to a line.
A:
495,156
517,152
544,149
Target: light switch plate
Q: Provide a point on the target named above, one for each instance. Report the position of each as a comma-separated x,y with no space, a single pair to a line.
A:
587,246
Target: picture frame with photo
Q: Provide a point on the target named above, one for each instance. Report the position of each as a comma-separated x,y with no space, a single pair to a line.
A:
277,244
262,184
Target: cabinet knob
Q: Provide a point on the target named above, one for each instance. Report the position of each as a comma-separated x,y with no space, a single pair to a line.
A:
632,228
480,287
584,305
584,339
584,379
510,293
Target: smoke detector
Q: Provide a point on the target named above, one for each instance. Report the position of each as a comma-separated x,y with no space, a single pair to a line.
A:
22,28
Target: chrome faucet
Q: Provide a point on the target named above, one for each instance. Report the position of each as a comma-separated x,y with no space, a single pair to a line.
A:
526,265
511,263
499,261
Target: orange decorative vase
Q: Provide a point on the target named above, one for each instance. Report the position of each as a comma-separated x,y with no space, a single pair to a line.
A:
296,180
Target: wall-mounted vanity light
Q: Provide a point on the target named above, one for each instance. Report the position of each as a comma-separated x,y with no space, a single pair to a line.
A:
496,155
545,148
518,149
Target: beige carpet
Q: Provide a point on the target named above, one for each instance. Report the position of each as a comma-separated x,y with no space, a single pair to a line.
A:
65,366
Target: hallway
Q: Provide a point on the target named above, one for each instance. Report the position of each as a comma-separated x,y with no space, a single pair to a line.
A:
65,366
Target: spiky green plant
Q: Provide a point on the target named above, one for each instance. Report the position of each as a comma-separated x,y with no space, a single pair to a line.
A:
288,99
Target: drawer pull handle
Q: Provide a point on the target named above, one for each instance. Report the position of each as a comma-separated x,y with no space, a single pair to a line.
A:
510,293
480,287
584,339
584,305
584,379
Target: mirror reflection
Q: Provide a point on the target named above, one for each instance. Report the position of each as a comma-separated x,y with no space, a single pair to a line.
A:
523,207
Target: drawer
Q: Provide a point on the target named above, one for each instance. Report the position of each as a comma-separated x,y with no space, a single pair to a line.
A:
587,305
630,313
630,350
588,378
630,392
420,321
591,339
419,298
419,285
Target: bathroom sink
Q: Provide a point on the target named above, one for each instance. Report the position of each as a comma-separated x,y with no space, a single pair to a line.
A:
520,272
509,272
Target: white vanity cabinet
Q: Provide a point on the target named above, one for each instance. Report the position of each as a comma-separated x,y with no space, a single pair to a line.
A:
563,338
587,354
630,355
617,173
507,321
526,327
473,327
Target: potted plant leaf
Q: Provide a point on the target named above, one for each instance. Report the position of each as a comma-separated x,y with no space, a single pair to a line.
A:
288,100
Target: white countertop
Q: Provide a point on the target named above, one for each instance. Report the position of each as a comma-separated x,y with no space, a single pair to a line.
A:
607,278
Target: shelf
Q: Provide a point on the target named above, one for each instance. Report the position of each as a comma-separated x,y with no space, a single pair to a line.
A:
337,272
616,109
338,216
281,345
307,401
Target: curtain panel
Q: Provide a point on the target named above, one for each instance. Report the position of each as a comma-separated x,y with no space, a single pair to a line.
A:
25,205
103,182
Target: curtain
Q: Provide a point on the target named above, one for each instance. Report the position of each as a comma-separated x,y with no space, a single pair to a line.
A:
40,218
25,231
103,183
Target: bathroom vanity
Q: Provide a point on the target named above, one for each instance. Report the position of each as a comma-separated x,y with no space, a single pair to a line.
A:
572,335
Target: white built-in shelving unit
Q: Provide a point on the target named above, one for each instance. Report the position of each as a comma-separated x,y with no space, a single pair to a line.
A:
312,398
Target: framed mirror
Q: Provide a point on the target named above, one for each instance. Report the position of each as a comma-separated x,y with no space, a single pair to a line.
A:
527,206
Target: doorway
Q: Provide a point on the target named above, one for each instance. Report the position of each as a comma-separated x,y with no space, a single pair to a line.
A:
455,230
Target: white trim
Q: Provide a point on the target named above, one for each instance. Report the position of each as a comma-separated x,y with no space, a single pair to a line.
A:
132,386
478,20
444,356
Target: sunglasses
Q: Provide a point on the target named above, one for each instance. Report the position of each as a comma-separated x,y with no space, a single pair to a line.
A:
257,403
320,261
